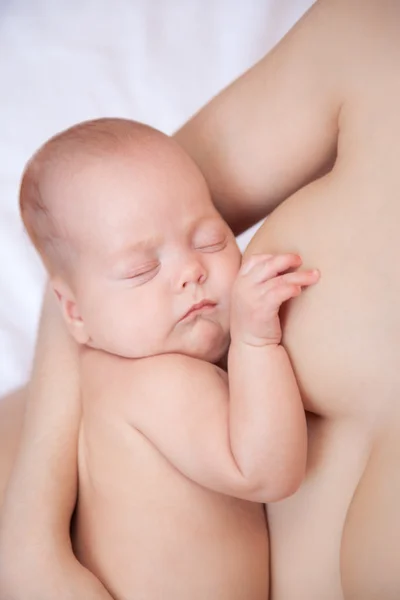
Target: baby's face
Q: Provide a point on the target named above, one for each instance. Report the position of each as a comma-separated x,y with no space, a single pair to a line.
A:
156,263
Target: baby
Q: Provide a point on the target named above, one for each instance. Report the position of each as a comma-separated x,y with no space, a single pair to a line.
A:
176,456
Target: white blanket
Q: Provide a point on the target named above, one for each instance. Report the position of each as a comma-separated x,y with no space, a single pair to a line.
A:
63,61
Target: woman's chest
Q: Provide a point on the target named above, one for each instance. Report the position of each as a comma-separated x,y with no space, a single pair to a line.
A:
342,334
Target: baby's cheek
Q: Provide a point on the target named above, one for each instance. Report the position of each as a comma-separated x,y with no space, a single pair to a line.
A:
230,275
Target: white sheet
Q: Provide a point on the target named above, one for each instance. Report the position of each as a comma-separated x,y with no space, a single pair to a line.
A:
62,61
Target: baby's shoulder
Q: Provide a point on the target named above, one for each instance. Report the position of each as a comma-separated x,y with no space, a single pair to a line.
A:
175,381
168,371
107,375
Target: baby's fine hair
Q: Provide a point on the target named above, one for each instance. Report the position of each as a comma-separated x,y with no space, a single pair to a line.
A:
90,139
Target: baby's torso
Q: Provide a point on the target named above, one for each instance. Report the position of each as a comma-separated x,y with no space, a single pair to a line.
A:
147,531
339,535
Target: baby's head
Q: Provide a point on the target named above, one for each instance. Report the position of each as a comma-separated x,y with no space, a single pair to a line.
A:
125,225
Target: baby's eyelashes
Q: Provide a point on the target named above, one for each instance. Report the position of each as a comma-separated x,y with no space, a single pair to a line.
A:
213,246
143,274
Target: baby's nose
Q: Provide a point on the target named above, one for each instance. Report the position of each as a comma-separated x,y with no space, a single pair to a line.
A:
193,272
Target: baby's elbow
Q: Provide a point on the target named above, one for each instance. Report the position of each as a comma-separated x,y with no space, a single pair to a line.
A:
279,487
286,488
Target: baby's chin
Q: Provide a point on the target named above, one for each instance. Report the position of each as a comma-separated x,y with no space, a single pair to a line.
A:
207,340
208,348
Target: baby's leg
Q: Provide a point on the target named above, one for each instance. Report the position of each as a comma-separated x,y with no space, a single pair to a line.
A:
11,417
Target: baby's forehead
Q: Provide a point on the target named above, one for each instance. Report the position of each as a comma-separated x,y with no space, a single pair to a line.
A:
130,163
92,145
97,181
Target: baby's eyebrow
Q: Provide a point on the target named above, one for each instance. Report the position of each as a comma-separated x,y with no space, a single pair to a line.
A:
138,246
214,219
121,258
213,224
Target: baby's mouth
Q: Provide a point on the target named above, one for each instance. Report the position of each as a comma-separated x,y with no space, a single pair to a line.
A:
204,306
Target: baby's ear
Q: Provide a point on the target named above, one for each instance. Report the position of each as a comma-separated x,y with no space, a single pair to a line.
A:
70,310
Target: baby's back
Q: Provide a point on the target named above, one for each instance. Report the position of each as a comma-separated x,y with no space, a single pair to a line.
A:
143,528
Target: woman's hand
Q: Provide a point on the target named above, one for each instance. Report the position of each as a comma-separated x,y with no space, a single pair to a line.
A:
59,577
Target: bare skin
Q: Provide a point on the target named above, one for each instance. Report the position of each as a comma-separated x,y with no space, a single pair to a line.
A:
50,428
169,453
339,535
334,85
142,528
11,420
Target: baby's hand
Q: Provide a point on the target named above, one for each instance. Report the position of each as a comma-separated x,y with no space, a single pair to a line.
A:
262,285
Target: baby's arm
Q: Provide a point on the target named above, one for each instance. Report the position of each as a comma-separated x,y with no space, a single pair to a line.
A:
36,558
253,444
267,420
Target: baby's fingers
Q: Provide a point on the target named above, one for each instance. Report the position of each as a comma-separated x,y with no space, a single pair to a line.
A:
282,288
261,267
302,278
279,294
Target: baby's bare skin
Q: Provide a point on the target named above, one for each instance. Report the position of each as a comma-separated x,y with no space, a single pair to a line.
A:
143,528
170,447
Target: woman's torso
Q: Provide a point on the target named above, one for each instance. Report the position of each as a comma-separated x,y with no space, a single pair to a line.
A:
339,535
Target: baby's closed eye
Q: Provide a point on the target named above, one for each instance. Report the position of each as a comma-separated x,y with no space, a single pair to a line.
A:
212,246
143,273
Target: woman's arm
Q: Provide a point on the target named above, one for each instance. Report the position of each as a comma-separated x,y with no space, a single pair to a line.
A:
275,128
36,556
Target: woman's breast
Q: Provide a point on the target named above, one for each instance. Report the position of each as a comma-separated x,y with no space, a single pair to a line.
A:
342,334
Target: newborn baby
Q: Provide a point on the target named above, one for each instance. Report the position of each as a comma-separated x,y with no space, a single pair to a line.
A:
176,456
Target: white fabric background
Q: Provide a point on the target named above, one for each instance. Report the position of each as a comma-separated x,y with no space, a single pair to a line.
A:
63,61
